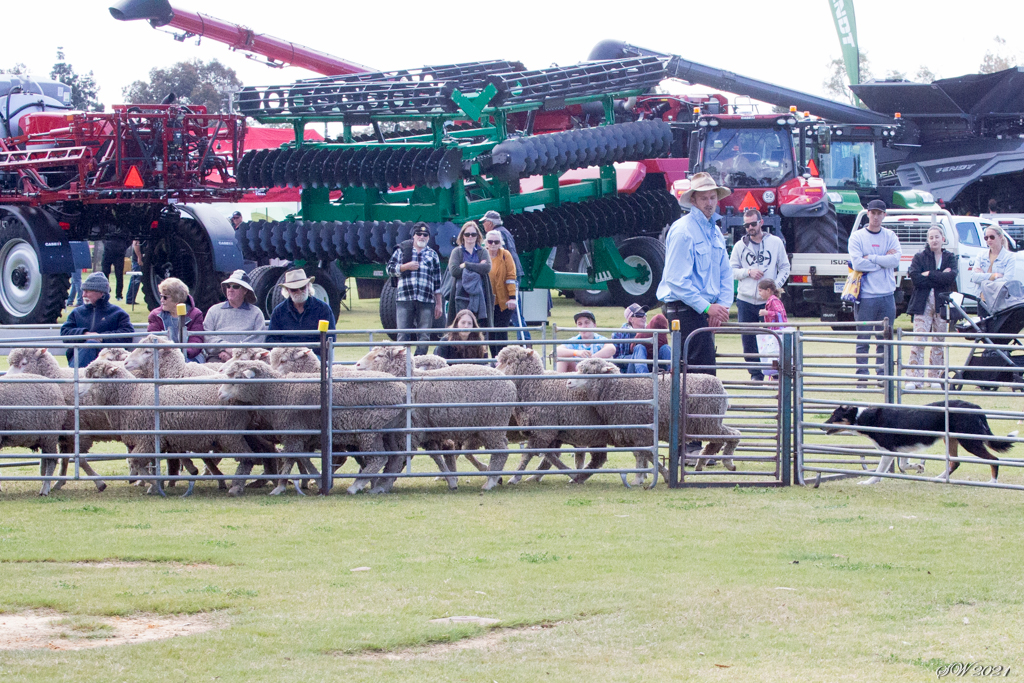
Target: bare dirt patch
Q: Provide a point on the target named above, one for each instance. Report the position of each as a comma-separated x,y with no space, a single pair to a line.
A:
51,630
486,641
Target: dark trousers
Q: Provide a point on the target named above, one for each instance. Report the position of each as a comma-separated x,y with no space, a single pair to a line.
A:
873,308
113,255
701,350
748,313
413,315
501,319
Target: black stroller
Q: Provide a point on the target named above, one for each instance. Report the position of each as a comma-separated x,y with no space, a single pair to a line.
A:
1003,315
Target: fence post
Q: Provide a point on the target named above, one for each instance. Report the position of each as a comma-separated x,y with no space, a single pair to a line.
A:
326,425
890,384
673,438
786,375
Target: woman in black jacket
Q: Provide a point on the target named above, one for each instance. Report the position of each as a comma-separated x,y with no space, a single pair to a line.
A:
933,273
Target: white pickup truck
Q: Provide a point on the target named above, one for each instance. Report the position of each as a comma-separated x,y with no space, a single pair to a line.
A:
820,277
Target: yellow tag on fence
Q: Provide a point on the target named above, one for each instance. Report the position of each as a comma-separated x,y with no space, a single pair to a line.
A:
322,326
182,310
675,325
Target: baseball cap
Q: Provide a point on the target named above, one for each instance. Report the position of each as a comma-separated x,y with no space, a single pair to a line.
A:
877,205
584,314
421,229
635,311
236,214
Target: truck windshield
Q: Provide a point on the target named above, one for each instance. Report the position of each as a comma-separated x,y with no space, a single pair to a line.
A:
850,165
749,157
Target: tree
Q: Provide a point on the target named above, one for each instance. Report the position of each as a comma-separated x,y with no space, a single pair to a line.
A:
998,60
84,90
18,69
895,75
193,82
925,75
837,84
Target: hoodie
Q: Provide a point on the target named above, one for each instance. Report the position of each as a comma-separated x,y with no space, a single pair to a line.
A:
769,256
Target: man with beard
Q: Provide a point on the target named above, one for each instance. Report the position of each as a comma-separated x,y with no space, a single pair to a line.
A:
299,311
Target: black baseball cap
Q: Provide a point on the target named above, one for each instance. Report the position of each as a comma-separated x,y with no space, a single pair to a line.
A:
584,314
421,228
236,214
877,205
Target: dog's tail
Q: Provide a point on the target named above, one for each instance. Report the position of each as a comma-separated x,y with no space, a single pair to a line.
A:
997,446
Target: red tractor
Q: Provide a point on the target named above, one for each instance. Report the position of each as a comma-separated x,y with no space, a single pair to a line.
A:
135,173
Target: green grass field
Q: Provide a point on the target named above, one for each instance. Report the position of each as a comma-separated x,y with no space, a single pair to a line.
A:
594,582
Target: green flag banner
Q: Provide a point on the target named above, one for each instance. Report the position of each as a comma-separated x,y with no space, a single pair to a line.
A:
846,27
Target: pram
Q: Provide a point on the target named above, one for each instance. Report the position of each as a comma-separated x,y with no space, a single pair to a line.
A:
1002,312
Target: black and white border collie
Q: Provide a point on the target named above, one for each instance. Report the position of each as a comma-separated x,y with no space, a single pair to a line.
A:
912,417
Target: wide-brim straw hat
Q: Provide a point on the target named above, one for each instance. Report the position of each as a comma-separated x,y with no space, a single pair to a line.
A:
240,278
702,182
296,279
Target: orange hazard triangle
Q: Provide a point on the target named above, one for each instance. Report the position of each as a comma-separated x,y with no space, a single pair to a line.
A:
134,179
748,202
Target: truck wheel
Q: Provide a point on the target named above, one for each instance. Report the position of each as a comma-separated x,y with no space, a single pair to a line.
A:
26,295
263,280
580,262
797,307
822,235
328,286
648,253
389,314
182,251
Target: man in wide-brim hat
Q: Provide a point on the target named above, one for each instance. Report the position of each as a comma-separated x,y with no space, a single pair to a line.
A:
299,311
238,314
696,285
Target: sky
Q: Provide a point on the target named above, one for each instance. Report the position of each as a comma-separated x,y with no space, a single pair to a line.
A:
785,43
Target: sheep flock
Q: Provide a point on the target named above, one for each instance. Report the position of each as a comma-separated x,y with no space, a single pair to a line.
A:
262,409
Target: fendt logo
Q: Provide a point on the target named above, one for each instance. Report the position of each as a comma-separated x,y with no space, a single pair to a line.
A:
842,21
954,169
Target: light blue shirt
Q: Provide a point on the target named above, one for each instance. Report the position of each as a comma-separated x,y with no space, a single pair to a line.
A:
1006,263
697,270
585,345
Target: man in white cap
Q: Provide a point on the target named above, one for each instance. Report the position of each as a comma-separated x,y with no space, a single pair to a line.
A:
696,285
238,314
299,311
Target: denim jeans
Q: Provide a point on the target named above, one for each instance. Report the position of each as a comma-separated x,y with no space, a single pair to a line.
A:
640,354
748,313
76,289
873,308
415,314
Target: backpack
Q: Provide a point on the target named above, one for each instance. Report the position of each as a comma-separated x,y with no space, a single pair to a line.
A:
406,247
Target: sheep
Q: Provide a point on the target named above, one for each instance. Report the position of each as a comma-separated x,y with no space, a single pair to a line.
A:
114,354
386,397
250,353
15,391
518,360
186,422
172,366
41,362
453,395
704,393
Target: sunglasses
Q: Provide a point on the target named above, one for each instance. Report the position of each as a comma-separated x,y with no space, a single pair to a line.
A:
751,225
493,241
232,286
470,234
164,296
991,237
421,234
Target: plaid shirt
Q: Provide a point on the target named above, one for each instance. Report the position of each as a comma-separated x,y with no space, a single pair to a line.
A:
417,285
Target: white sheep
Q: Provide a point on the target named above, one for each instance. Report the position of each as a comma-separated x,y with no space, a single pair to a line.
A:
18,391
705,396
41,362
515,361
182,426
451,414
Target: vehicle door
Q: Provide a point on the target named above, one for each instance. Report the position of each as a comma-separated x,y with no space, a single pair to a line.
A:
972,247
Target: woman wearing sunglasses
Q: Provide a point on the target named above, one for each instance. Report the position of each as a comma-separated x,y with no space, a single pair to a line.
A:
469,266
238,314
998,263
504,284
173,292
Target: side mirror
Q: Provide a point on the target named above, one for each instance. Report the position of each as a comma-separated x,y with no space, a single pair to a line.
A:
824,139
694,151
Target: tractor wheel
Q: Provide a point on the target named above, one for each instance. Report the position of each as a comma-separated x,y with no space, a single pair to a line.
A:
822,235
389,314
328,286
580,262
182,252
648,253
263,280
26,295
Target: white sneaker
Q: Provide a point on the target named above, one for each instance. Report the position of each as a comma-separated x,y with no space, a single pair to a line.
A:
936,385
910,385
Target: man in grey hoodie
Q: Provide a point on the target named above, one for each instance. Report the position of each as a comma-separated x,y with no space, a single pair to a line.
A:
874,251
757,256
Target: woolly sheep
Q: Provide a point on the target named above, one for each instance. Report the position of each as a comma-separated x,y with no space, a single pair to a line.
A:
186,422
250,353
115,354
518,360
41,362
704,393
302,359
15,391
454,414
347,391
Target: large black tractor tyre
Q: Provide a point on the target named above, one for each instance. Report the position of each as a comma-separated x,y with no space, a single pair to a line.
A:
26,295
648,253
797,306
389,313
263,280
328,286
821,235
588,298
184,252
